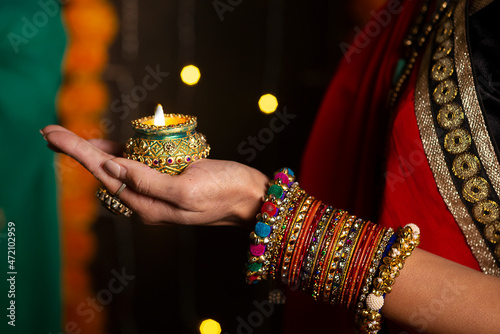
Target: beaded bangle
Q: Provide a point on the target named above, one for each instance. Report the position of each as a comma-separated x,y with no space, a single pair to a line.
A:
262,242
304,240
408,240
287,211
289,246
330,235
286,229
349,249
360,250
341,256
372,271
333,257
312,253
328,253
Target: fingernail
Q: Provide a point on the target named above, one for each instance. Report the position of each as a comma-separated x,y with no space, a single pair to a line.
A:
43,134
112,168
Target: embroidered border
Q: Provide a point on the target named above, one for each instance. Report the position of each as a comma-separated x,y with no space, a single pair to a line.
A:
449,139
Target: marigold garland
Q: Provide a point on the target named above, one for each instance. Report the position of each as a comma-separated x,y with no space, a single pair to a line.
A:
91,26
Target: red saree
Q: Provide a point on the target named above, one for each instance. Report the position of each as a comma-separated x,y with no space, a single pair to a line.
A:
363,159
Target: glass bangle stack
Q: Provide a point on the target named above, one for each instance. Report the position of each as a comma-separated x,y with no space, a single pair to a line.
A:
329,254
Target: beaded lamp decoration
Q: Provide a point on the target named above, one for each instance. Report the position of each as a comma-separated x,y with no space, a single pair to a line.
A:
169,148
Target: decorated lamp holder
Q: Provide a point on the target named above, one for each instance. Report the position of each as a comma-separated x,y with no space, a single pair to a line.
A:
167,143
168,148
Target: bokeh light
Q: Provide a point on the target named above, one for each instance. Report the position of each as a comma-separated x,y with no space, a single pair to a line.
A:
210,326
268,103
190,75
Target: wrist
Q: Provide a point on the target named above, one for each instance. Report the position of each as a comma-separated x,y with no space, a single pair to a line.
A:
254,194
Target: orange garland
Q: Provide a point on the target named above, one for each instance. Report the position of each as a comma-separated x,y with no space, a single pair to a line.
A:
91,26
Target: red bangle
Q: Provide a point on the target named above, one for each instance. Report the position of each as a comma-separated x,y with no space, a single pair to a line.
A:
298,257
330,231
357,263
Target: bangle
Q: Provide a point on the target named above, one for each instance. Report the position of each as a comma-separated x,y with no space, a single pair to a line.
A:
312,253
408,240
372,271
310,222
348,251
330,234
263,240
334,256
372,240
357,263
296,227
292,196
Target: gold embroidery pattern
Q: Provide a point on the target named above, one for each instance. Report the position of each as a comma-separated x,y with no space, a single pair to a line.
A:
442,69
457,140
450,116
479,132
492,232
476,189
445,92
443,50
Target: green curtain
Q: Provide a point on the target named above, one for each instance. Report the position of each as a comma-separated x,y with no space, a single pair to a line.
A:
32,42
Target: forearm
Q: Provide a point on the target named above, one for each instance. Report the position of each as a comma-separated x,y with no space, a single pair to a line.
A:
436,295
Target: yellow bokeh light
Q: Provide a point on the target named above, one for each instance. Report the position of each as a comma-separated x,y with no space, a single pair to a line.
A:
190,75
268,103
210,326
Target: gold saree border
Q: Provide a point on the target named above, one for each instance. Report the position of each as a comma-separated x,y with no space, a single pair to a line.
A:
470,101
436,158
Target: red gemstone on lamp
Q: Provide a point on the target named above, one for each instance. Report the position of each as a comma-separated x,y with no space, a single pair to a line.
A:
270,208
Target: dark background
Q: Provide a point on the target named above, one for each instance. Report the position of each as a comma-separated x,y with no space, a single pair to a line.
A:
244,49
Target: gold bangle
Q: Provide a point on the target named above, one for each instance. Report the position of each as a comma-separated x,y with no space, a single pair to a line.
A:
408,240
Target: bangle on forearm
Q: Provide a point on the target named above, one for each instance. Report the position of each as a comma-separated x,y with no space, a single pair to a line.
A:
408,239
263,238
310,259
331,255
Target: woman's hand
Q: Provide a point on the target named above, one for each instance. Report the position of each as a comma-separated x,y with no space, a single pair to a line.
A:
207,192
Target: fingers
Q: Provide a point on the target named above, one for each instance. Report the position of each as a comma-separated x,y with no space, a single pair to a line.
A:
108,146
144,180
50,128
152,195
88,155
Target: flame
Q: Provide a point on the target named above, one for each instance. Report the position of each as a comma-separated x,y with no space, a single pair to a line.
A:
159,116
